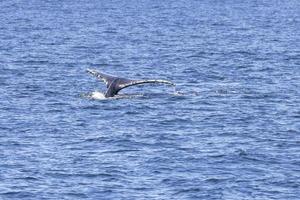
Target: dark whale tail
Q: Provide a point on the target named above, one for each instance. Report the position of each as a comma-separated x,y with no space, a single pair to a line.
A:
115,84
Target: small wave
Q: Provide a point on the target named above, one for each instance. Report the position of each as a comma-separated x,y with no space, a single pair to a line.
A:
185,93
216,180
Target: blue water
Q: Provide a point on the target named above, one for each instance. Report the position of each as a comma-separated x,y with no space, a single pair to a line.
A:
232,131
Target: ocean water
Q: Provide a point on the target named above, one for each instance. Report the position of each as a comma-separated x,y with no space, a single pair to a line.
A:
230,131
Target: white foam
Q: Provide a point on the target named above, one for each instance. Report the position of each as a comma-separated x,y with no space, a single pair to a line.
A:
97,95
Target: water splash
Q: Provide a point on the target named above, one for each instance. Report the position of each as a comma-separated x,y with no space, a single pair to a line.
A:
177,92
94,95
97,95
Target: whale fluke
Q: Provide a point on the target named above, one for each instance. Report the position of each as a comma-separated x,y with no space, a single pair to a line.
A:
101,76
115,84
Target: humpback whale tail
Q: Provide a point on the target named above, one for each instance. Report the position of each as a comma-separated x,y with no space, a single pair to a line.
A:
115,84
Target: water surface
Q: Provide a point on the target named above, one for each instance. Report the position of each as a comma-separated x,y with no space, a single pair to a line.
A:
233,134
